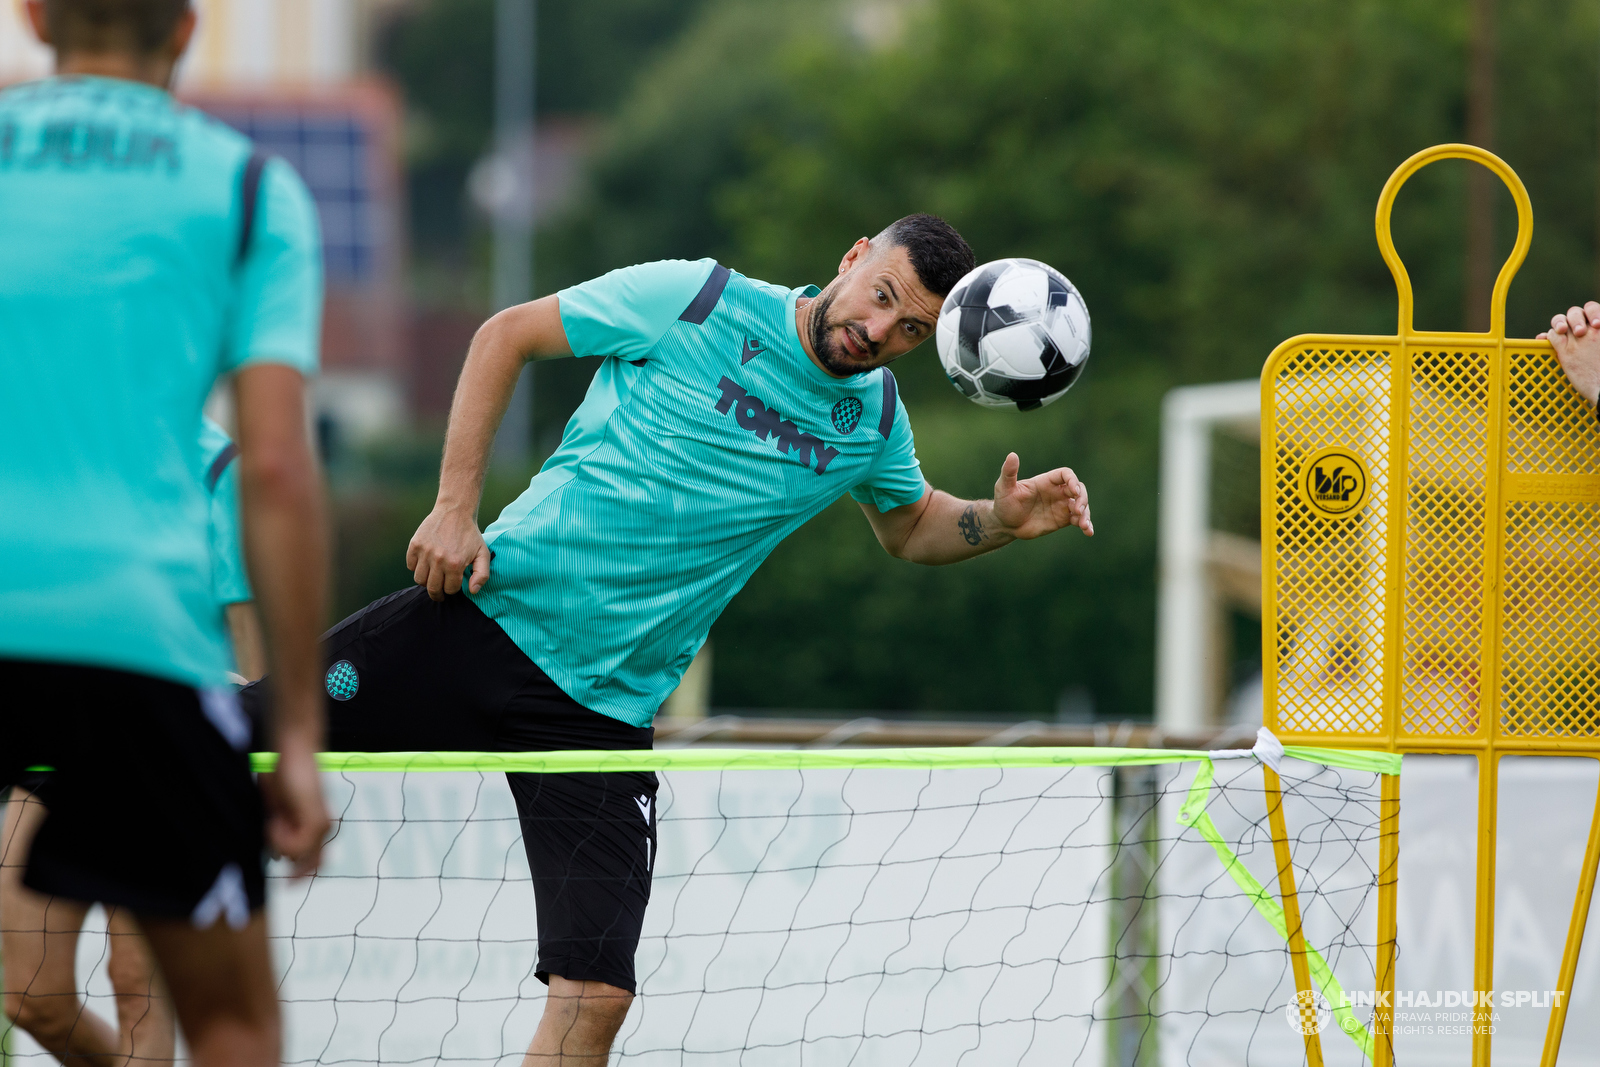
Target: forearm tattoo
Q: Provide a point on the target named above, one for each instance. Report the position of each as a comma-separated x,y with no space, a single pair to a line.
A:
971,526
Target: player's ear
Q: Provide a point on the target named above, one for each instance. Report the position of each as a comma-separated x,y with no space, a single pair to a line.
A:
39,21
857,253
182,34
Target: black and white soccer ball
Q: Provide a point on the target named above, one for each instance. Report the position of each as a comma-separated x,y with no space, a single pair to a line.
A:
1014,333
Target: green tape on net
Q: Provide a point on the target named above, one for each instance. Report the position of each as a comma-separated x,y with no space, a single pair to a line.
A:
737,759
781,759
1193,813
1351,759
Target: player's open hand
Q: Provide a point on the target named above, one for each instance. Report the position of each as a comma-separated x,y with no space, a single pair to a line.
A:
444,546
1576,338
1042,504
297,816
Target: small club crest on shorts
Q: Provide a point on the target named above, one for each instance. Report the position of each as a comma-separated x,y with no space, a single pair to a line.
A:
847,415
342,680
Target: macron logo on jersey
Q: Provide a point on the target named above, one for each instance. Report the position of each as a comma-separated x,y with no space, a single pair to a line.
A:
764,422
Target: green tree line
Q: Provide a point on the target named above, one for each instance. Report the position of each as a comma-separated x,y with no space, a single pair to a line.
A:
1206,174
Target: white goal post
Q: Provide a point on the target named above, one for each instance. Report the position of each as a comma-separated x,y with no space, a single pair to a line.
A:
1200,567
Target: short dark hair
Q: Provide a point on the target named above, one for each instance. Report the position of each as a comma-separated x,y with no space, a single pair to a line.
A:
140,26
939,255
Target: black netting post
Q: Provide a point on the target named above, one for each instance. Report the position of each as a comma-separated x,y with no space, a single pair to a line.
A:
1135,947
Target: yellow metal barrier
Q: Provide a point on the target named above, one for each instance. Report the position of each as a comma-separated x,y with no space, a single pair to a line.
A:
1431,563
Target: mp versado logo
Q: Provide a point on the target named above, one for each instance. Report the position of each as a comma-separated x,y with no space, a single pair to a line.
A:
766,423
1333,482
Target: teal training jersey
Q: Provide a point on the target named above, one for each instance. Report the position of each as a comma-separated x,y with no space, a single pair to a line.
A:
707,436
123,296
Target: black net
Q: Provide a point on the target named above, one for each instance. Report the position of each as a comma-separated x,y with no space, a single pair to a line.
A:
986,914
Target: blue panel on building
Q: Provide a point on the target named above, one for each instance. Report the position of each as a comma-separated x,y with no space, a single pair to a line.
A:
331,151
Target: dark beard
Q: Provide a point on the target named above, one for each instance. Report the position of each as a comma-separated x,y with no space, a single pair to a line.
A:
830,353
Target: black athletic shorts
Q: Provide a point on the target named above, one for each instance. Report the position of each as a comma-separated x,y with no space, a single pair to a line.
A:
408,674
151,804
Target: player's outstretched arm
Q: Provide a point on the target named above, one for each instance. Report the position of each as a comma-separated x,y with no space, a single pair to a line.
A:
285,530
1576,338
449,540
941,528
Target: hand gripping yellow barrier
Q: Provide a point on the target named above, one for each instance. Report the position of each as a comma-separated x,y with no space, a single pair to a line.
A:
1431,567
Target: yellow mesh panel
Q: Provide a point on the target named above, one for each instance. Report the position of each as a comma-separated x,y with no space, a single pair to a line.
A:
1331,638
1330,574
1549,427
1550,639
1550,633
1442,604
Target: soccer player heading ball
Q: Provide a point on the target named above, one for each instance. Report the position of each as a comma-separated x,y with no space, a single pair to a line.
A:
725,413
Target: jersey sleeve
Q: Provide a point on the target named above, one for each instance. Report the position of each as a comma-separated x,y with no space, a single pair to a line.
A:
230,582
895,478
626,312
278,314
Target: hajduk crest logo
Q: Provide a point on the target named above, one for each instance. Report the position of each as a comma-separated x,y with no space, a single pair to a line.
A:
846,415
1333,481
342,680
1309,1012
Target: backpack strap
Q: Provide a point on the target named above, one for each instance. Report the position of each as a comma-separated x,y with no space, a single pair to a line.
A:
219,465
249,197
891,396
700,307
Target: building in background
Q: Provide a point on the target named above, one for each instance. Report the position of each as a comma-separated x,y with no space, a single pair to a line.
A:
299,77
294,75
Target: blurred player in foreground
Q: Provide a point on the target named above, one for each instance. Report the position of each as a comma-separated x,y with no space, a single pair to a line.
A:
725,413
147,250
39,934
